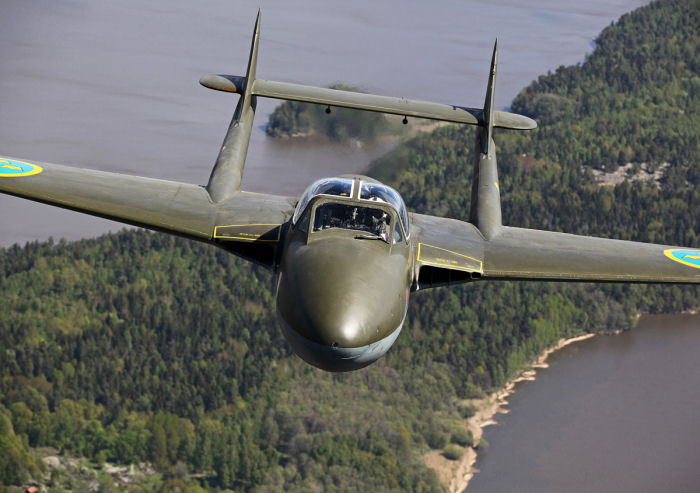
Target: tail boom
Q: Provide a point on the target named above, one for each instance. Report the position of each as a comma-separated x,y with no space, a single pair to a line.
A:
225,179
485,211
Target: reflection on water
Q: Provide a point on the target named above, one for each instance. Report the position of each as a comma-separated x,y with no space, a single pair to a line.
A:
113,85
613,413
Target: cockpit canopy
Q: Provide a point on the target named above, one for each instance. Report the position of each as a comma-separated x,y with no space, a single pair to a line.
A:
357,189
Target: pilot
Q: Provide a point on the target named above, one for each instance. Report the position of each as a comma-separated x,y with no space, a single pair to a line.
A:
380,222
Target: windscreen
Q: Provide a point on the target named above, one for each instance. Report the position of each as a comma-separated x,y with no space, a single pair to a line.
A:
339,187
381,193
357,218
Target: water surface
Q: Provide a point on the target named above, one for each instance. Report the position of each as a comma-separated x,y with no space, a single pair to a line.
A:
613,413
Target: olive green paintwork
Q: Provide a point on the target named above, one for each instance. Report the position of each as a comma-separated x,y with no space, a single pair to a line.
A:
338,289
342,297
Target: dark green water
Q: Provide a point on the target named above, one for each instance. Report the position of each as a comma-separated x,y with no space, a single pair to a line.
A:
612,414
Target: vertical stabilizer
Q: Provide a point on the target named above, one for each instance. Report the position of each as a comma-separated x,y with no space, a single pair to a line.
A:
488,100
485,211
225,179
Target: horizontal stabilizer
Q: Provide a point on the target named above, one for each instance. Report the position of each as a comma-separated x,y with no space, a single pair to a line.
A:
367,102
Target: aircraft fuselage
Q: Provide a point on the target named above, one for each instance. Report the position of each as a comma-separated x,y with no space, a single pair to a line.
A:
343,288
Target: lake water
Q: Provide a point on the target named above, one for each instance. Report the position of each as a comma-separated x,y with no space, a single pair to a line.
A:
113,85
614,413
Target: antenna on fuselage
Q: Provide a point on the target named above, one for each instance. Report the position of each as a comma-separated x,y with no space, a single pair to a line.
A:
225,179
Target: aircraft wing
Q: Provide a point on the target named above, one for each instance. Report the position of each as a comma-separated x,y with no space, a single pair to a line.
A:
162,205
517,253
450,251
173,207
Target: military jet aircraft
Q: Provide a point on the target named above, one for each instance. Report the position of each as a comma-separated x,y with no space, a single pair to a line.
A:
347,253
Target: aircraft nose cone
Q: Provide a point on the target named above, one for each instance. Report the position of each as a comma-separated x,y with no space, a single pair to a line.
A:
342,293
336,320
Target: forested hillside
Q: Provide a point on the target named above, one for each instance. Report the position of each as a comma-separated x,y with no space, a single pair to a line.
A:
142,347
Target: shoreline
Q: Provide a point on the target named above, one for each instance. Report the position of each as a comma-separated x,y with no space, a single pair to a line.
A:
457,474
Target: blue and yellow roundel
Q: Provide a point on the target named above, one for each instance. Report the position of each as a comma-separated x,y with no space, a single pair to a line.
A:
686,257
10,167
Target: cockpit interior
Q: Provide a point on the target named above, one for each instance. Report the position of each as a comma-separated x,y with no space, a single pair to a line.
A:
370,209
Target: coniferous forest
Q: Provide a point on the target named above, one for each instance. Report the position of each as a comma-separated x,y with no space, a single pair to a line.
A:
141,347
